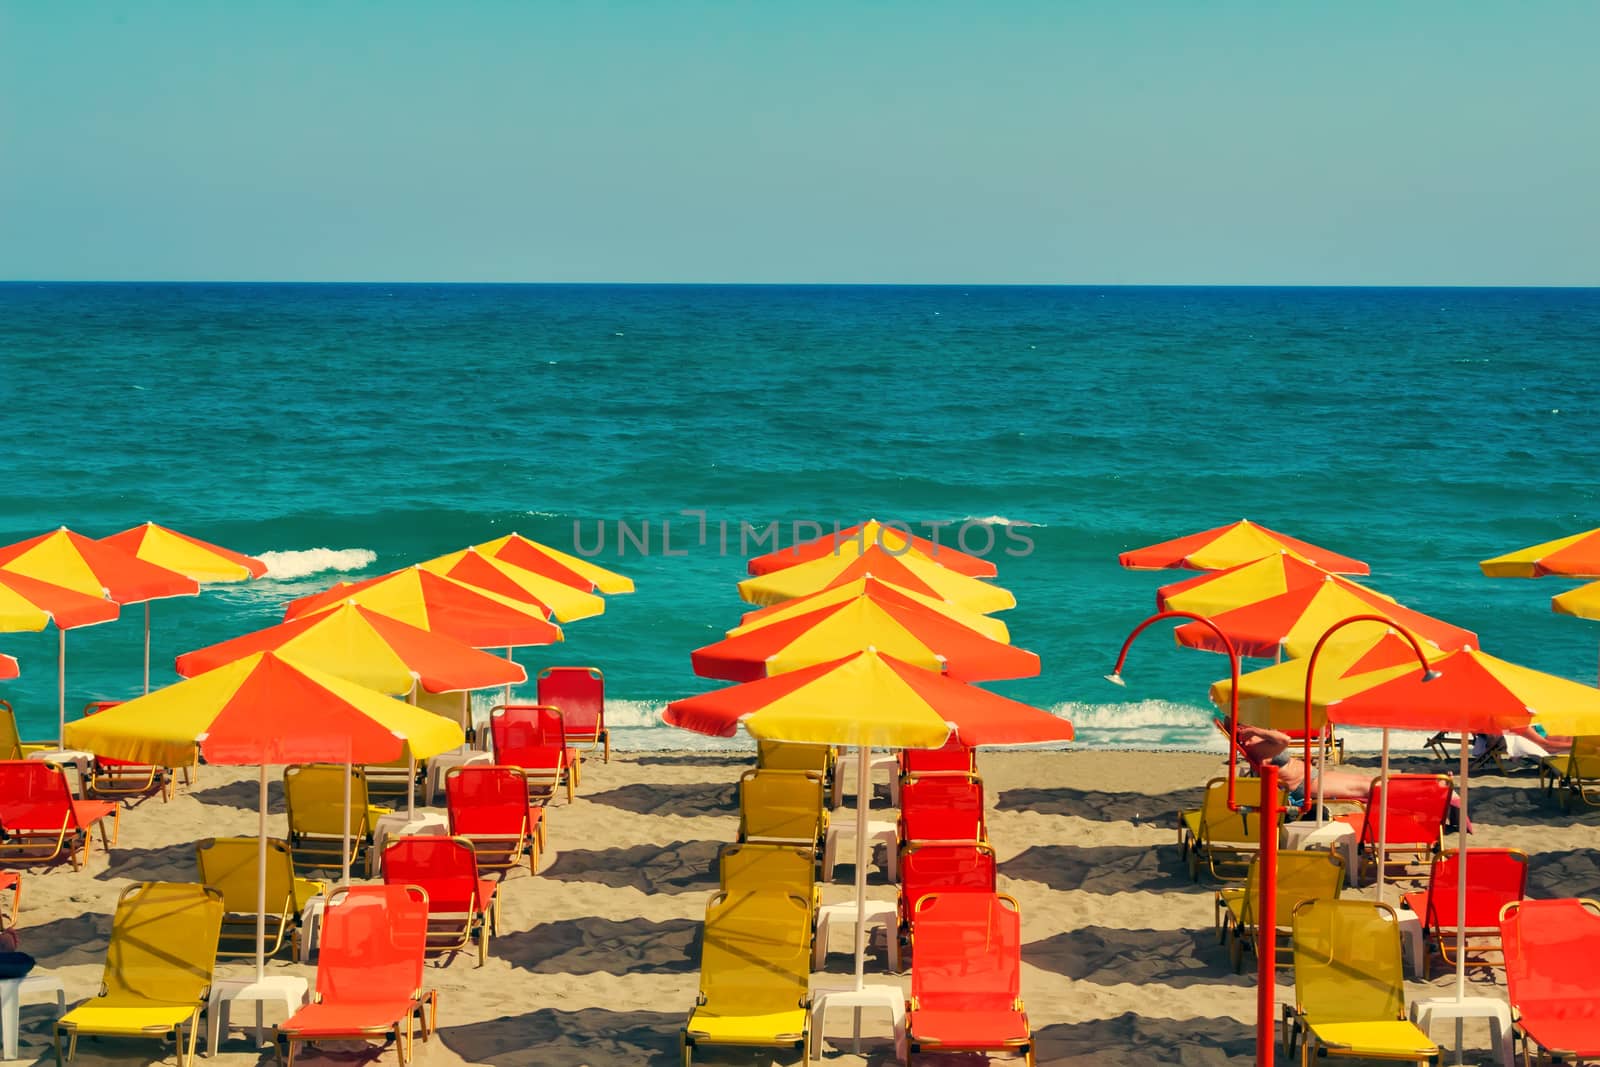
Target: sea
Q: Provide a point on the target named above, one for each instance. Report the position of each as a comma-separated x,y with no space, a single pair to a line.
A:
340,431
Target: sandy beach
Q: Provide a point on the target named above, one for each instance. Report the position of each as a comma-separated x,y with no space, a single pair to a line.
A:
597,956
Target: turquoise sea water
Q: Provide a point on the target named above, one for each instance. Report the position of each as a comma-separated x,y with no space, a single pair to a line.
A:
343,430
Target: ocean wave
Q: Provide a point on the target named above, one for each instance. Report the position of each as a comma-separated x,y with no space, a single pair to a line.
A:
1134,715
304,562
996,520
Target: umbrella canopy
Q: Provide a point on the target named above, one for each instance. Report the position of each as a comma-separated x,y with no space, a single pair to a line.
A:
1274,697
200,560
362,646
1228,546
69,559
878,590
29,604
1293,621
264,709
1582,602
852,541
542,559
911,634
1247,583
553,597
910,570
429,601
9,668
868,698
1577,556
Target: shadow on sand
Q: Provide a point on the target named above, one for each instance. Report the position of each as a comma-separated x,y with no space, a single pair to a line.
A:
591,946
1160,809
681,867
1102,869
591,1036
1131,1040
1108,956
686,799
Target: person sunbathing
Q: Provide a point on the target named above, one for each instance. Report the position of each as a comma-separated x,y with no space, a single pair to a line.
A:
1262,746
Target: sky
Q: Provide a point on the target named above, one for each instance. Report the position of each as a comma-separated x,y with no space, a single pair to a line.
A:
1058,142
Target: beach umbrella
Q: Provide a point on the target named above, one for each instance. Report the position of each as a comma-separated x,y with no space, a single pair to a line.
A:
264,710
430,601
1471,692
1293,621
1582,602
910,570
189,556
542,559
31,605
850,542
1575,556
911,634
9,668
1246,583
556,598
868,699
1230,545
873,589
87,566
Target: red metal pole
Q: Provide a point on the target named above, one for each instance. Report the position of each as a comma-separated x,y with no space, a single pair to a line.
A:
1267,928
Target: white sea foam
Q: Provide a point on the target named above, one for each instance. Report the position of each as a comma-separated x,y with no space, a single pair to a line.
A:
304,562
998,520
1140,714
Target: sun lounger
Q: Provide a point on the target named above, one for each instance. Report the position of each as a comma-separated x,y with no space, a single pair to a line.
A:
755,972
1551,979
1418,806
369,971
1222,839
942,806
13,881
1573,776
966,968
12,746
158,968
313,793
1349,992
1495,878
41,818
783,868
580,693
1313,875
782,808
794,756
462,907
229,865
533,737
953,756
489,807
942,867
118,778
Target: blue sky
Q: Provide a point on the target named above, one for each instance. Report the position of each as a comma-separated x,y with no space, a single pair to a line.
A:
1053,142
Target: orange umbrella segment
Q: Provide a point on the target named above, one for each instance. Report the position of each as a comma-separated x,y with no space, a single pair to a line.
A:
1245,583
1230,545
851,542
874,589
429,601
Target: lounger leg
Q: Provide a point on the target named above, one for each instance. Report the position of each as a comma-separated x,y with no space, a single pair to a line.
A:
60,1061
606,736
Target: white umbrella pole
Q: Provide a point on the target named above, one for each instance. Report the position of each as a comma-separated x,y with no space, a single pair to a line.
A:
261,881
349,773
61,684
863,798
1461,886
1383,813
147,646
1322,770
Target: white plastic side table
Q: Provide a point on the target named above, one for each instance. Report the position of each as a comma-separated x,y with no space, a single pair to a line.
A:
1416,946
845,767
311,925
884,833
1426,1012
881,915
11,993
887,997
286,989
1299,836
444,761
399,824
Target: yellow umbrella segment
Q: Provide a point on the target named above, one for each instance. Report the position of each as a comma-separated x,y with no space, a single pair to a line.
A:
874,589
910,570
564,567
561,600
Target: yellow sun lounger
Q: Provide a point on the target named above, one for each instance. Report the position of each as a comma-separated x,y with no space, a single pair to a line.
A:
12,746
1302,876
786,868
158,967
314,796
755,973
1349,992
1222,839
1575,775
782,807
229,864
794,756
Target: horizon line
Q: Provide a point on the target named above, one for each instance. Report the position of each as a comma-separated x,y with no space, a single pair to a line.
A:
808,284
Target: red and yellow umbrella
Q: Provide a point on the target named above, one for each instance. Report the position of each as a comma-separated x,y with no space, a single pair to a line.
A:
552,596
9,668
31,605
1575,556
542,559
1246,583
1293,622
362,646
852,541
200,560
911,634
432,602
1231,545
873,589
910,570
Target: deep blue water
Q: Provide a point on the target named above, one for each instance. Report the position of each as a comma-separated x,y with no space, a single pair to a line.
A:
1421,430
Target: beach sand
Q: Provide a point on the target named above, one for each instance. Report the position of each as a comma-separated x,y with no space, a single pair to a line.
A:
597,956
